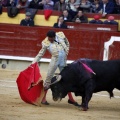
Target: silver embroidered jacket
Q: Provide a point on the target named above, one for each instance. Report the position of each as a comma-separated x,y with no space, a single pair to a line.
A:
54,48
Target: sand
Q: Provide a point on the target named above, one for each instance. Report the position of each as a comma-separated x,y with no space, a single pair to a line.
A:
101,107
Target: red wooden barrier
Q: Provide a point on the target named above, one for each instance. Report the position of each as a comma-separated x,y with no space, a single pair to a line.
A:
26,41
114,51
87,26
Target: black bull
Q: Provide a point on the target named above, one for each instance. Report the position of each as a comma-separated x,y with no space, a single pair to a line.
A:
75,78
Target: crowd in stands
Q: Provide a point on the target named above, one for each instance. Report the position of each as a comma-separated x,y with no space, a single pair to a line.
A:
110,20
90,6
72,10
81,18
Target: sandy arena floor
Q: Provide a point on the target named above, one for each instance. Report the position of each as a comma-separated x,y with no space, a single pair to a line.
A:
13,108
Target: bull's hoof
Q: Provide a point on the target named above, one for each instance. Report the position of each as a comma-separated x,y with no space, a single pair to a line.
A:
73,103
83,108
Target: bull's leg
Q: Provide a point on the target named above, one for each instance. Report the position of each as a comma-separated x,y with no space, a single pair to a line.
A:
83,100
88,94
118,84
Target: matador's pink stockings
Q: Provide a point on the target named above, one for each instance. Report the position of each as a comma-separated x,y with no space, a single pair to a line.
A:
69,96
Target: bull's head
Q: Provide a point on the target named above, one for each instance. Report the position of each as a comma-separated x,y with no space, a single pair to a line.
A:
57,88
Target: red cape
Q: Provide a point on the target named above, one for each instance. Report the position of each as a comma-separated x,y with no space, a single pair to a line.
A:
30,85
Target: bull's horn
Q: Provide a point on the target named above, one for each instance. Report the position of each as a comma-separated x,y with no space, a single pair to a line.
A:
58,78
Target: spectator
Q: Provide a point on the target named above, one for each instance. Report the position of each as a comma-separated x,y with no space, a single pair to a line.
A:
106,7
4,3
33,6
117,7
80,18
60,23
47,4
12,3
60,5
85,5
55,1
1,7
27,21
21,4
96,20
110,21
95,5
66,16
72,7
36,4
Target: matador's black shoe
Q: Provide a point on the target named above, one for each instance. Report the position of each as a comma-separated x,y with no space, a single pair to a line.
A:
73,103
45,103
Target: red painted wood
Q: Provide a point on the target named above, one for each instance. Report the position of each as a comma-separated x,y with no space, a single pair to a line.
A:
87,26
26,41
114,50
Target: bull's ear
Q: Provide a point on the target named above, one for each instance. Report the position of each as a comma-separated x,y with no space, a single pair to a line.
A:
56,79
